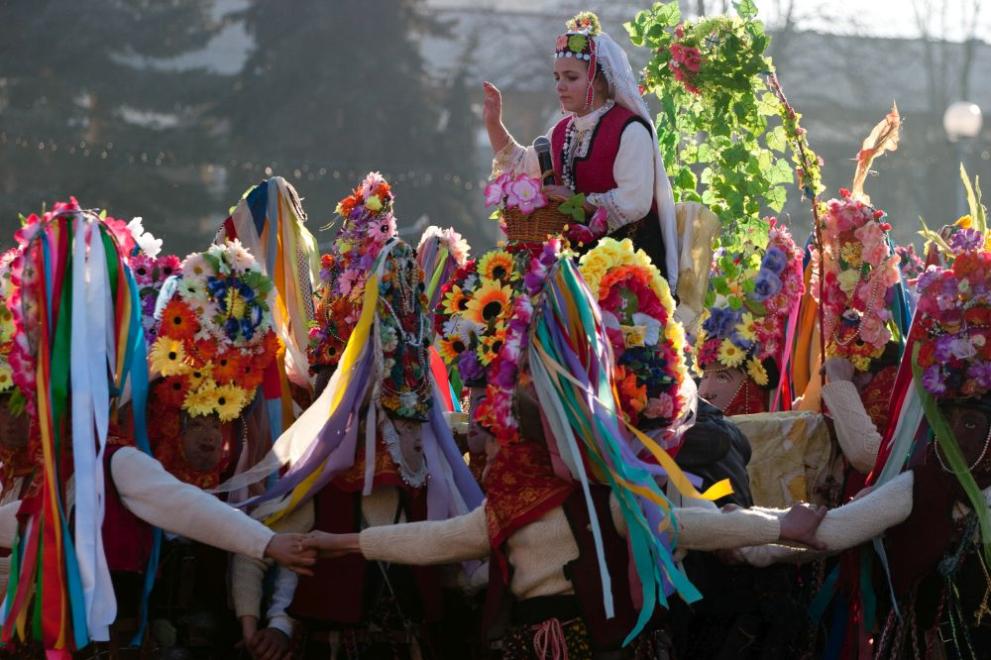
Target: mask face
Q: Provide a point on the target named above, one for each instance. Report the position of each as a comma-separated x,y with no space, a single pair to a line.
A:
203,442
719,386
971,426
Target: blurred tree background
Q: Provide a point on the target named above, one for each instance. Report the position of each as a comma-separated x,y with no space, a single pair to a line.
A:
170,109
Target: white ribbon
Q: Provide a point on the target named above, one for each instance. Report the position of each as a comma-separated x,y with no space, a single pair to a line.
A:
90,411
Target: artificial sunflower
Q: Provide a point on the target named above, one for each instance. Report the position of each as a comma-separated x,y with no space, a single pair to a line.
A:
168,357
489,347
178,320
497,265
491,302
200,377
450,348
455,301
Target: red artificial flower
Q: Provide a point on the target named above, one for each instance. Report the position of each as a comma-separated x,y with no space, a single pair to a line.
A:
179,321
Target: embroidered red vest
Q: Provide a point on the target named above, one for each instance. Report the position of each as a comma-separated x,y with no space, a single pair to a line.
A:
126,538
593,173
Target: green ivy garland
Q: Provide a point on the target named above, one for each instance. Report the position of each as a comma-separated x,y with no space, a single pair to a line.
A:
718,96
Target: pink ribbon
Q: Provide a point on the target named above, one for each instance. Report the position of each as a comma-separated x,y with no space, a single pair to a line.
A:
549,642
783,370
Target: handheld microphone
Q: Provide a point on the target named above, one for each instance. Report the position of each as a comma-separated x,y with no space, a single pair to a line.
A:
543,148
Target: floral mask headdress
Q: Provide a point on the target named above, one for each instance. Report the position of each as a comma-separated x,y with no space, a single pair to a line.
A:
215,337
751,295
860,272
476,305
647,342
369,225
439,254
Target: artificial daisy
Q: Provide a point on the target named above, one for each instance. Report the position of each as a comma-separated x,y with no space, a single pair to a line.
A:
178,321
168,357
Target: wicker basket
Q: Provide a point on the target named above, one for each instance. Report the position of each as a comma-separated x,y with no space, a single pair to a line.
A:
537,226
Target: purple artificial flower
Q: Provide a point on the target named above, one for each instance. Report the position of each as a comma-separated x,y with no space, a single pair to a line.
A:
470,368
980,371
505,375
722,321
775,260
944,348
965,240
933,380
766,285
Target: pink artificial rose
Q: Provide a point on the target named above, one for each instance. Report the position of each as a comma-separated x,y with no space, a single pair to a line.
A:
660,406
874,248
873,331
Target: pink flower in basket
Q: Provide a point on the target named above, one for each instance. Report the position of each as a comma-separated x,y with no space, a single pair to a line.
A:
524,193
496,190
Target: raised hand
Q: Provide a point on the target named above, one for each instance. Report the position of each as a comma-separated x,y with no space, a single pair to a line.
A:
492,104
290,551
838,368
799,525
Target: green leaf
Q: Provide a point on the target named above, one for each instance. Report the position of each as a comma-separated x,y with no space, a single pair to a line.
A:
777,139
685,179
973,200
934,237
668,14
780,172
775,198
575,207
768,105
745,9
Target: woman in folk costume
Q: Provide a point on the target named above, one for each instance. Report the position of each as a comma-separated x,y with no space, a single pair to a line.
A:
373,449
570,511
934,516
93,497
605,146
213,343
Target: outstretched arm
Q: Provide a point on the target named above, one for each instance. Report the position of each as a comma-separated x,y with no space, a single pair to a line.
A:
421,543
158,498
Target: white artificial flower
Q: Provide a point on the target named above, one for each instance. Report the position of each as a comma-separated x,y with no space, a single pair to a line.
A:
145,240
652,326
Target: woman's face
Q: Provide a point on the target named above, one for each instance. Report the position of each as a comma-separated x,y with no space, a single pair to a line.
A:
720,385
571,76
203,442
13,428
970,426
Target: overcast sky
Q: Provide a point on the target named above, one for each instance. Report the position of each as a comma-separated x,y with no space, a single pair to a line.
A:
949,19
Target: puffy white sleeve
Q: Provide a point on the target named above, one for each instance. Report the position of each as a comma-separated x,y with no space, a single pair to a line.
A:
514,159
855,431
152,494
633,171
